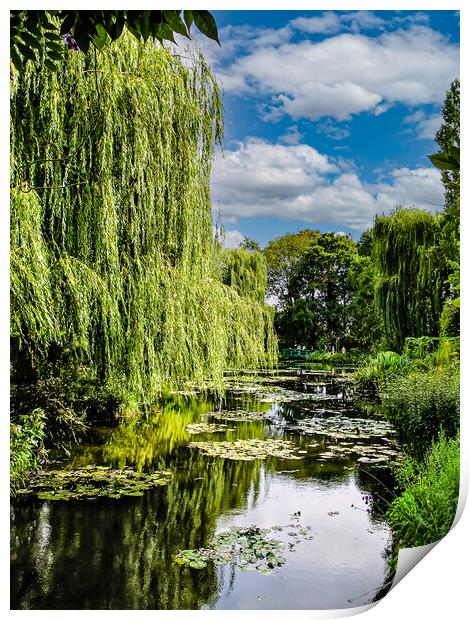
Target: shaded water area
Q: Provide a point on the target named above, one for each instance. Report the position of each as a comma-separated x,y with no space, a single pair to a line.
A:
119,553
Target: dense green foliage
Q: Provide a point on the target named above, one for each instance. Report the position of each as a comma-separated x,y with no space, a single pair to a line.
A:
37,35
409,284
114,269
282,255
245,272
324,286
421,405
425,511
448,138
26,446
375,371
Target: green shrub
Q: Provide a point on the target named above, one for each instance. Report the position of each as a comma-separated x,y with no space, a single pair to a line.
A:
426,509
26,447
422,405
379,369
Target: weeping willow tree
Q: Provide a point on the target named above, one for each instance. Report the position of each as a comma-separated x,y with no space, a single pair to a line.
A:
408,290
246,272
113,262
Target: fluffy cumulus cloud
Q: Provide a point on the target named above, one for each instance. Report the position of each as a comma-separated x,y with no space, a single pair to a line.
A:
296,182
423,126
333,65
232,238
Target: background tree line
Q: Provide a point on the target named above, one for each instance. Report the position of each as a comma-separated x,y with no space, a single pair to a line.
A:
401,279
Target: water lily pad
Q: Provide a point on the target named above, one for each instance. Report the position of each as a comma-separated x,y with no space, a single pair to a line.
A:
250,548
247,449
94,481
239,415
196,429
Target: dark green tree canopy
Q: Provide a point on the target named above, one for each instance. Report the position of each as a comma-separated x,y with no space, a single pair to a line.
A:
281,255
44,36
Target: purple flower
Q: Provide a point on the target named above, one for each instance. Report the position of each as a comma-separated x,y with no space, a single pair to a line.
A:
70,42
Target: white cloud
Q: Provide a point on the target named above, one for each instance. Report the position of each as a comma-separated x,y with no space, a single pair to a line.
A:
232,238
291,136
296,182
330,22
327,23
421,187
340,75
332,130
425,126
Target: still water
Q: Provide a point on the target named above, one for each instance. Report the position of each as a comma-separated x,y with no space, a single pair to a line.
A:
119,554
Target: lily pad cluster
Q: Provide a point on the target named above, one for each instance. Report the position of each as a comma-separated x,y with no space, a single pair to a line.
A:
247,449
367,440
196,429
239,415
93,481
250,548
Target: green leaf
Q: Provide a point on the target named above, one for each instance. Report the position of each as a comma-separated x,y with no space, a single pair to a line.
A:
198,564
454,152
26,52
56,47
68,23
50,65
175,22
206,24
444,161
15,59
145,25
52,36
116,29
45,23
52,54
30,40
82,40
188,19
101,37
163,31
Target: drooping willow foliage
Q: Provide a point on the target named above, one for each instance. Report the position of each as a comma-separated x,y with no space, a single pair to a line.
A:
246,272
409,291
113,263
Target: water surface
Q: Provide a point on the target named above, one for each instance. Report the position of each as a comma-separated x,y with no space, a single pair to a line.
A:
119,554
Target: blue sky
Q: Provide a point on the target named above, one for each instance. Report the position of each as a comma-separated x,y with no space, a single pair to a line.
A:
329,116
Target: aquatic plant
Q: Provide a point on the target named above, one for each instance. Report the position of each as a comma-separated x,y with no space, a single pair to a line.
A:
93,481
247,449
196,429
376,370
249,548
239,415
113,263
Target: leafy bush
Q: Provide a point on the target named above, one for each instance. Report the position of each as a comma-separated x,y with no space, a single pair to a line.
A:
26,447
426,509
422,405
377,370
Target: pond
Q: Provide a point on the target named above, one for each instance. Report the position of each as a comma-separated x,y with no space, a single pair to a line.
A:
317,496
